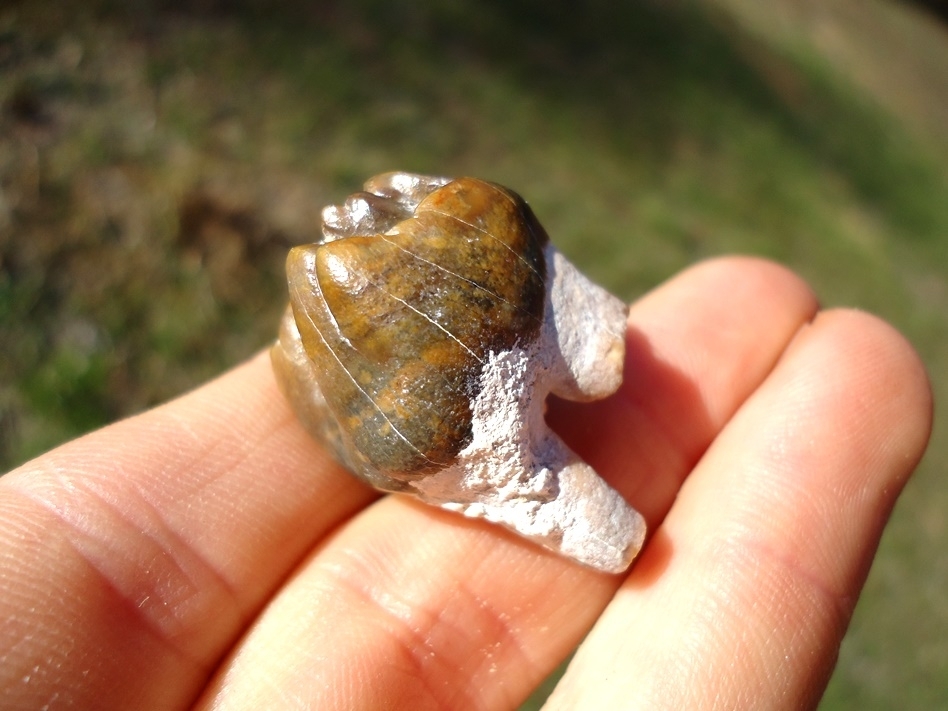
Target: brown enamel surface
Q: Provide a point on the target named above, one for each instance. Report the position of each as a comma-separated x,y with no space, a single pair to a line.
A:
397,326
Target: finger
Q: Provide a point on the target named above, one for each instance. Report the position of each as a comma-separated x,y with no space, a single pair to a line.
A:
411,607
133,557
767,547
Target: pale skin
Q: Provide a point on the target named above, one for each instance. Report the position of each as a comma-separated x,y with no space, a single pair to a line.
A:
208,554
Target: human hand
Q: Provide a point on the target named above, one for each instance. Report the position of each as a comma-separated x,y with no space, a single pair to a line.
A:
208,554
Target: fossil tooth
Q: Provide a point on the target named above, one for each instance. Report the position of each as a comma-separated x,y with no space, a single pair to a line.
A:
423,335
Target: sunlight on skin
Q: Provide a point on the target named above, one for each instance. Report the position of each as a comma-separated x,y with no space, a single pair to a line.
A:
208,550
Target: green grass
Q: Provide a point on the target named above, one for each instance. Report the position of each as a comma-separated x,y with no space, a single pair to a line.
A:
176,156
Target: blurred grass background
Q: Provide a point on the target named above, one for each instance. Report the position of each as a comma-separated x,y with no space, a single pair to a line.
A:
156,164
